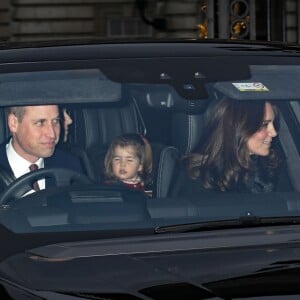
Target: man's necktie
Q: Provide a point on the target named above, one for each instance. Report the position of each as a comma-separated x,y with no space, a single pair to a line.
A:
35,185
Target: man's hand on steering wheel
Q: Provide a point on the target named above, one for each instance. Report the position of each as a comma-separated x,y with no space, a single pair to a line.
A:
18,187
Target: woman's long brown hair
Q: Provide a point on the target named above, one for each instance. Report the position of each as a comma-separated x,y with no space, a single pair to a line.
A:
222,158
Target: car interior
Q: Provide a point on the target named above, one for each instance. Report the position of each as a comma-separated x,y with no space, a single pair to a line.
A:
172,120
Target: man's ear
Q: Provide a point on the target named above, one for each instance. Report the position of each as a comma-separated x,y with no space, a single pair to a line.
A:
12,122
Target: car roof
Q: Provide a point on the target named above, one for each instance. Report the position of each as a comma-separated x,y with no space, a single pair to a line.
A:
68,50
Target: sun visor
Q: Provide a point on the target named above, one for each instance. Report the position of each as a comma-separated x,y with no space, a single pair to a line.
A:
61,86
266,83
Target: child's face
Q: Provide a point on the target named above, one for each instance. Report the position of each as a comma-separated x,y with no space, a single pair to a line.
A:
125,163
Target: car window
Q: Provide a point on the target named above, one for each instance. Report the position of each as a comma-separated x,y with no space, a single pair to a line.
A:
169,100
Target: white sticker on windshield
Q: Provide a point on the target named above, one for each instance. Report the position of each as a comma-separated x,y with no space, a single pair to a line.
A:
250,86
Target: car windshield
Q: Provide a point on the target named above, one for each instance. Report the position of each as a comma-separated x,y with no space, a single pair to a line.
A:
173,99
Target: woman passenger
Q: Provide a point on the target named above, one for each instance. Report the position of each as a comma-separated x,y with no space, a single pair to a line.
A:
236,152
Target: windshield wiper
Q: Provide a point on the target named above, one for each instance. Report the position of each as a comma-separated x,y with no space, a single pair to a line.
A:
242,222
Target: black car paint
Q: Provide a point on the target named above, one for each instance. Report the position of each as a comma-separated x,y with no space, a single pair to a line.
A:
224,263
137,264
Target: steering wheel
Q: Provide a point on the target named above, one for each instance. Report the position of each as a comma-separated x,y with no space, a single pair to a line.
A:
6,177
23,184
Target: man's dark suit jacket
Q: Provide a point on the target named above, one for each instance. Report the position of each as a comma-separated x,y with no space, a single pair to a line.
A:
59,159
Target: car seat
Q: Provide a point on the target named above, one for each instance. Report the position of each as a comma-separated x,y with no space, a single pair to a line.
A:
94,129
186,131
6,175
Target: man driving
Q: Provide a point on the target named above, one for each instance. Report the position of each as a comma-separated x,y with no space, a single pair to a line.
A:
35,132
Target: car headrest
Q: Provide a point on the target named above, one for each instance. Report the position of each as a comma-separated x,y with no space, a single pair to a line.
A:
187,130
4,131
97,126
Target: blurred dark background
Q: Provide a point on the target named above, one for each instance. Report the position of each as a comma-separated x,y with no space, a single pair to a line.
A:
40,20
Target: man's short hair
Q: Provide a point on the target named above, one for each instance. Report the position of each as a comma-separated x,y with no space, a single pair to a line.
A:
18,111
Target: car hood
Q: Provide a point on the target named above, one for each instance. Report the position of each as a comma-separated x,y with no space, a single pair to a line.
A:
206,264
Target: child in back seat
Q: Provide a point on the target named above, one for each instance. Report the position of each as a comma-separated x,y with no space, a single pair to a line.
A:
128,162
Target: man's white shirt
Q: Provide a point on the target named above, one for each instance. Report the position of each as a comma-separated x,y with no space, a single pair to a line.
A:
20,166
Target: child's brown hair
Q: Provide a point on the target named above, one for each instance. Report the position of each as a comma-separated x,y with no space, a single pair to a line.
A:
143,152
